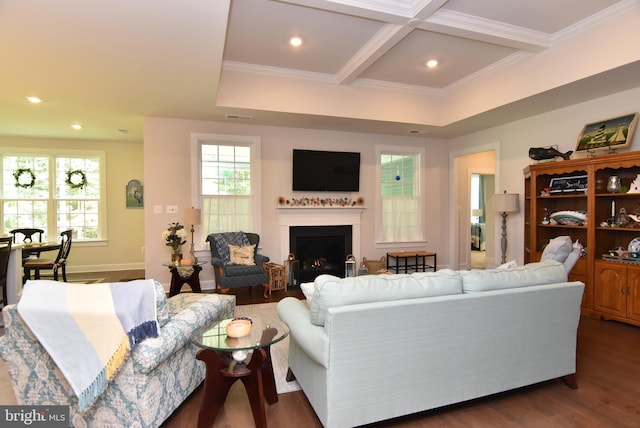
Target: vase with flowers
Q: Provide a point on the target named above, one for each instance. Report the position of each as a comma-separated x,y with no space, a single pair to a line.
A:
175,237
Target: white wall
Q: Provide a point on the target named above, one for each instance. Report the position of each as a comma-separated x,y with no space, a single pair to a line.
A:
559,127
167,182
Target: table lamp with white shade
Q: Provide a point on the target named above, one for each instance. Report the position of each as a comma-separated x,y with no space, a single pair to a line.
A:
192,217
505,203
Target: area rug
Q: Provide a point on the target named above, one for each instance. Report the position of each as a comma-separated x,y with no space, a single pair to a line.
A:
279,351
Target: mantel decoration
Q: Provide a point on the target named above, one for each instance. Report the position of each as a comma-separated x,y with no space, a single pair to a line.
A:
25,178
176,237
76,179
320,202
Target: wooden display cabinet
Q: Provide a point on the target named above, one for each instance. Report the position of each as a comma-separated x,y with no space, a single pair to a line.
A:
612,286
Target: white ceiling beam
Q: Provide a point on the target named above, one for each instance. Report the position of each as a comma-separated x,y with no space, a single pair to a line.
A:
486,30
388,36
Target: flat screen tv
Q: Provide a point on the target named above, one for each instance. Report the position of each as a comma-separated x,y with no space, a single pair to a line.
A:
315,170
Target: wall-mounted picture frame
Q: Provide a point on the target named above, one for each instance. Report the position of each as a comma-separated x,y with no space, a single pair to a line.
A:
610,134
135,194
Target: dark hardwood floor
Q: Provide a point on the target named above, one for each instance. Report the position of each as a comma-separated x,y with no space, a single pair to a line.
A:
607,396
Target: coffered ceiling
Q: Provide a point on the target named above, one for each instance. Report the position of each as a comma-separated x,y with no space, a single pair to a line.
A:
106,64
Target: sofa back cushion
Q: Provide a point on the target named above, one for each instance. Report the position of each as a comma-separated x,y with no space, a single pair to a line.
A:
331,291
545,272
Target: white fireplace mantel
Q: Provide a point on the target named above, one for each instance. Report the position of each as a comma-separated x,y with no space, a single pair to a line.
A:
319,216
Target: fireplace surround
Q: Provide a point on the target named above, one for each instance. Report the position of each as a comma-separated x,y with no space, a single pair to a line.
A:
319,216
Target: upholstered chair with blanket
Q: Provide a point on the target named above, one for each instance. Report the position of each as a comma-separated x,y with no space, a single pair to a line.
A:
235,259
155,377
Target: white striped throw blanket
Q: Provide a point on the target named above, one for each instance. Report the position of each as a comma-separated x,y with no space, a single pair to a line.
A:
89,329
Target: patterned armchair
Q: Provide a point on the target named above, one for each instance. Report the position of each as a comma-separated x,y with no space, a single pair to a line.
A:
159,374
230,273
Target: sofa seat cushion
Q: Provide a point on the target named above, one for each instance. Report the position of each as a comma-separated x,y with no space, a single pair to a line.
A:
545,272
331,291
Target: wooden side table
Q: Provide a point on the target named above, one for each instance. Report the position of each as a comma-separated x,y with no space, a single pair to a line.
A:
181,275
277,277
227,360
419,261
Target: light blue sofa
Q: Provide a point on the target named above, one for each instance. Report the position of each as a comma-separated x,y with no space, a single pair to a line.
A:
157,377
375,347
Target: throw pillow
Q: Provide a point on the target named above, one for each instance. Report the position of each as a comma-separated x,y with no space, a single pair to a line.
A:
308,289
223,240
242,255
557,249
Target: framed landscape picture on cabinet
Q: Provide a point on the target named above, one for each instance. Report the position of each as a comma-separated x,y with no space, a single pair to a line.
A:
609,134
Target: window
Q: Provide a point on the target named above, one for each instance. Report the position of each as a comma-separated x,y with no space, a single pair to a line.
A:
54,192
400,199
229,184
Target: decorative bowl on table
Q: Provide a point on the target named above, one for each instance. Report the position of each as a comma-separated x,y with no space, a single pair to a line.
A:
569,218
239,327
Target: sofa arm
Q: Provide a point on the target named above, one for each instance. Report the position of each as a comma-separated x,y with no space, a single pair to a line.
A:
180,329
312,339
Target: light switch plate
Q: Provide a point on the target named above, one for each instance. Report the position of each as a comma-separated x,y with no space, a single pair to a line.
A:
172,209
157,209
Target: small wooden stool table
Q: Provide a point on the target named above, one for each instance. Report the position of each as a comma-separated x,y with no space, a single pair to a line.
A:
277,277
419,265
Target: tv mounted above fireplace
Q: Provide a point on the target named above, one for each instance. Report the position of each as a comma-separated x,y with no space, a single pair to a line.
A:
315,170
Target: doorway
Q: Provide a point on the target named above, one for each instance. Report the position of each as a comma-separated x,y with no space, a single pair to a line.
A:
474,161
478,196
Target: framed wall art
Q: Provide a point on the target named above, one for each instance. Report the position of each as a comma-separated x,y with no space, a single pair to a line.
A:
135,194
609,134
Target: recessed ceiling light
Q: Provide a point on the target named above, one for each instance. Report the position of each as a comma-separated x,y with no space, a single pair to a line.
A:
432,63
295,41
34,100
76,126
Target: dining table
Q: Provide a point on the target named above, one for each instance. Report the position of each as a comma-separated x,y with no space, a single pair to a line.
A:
15,271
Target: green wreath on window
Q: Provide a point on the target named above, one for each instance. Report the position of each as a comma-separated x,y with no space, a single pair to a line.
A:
25,178
76,179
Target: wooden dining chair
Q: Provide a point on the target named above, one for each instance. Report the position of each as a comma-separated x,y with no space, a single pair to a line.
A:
57,264
27,235
5,252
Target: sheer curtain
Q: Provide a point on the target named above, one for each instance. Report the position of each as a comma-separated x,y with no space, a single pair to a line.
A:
401,218
229,213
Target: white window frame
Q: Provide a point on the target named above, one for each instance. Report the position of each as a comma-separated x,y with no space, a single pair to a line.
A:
196,177
420,240
52,234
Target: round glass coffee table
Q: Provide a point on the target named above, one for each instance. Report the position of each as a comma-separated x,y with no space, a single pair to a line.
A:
245,358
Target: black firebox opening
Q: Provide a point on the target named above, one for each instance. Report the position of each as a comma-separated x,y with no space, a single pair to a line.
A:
320,249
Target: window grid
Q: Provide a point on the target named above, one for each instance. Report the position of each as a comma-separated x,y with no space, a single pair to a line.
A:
51,203
226,187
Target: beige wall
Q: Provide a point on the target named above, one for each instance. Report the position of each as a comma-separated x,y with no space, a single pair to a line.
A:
123,249
166,143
